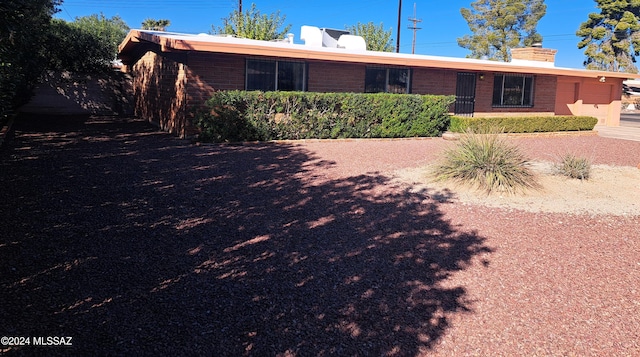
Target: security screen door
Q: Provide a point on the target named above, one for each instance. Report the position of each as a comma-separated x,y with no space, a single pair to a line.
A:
465,94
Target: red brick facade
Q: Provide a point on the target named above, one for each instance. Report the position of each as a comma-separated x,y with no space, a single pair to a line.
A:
433,81
544,100
159,87
335,77
210,72
169,86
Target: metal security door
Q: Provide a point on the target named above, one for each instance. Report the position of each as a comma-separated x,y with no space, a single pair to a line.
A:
465,94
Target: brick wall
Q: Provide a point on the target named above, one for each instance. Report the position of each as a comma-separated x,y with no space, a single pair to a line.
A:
534,54
159,84
336,77
72,94
209,72
434,81
168,88
543,102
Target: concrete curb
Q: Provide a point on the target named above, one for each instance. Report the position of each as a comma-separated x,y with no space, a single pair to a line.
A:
294,141
447,135
456,136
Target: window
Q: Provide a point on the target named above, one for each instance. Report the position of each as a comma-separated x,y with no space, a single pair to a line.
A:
512,90
261,75
267,75
390,80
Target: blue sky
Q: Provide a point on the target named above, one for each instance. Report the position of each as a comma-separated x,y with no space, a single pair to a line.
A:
441,22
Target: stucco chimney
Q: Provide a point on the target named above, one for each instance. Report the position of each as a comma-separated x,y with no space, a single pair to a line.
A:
537,55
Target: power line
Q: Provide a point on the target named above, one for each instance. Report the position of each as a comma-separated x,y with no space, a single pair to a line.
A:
65,10
145,4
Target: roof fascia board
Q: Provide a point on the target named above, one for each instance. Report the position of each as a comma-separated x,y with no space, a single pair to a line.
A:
374,58
180,42
130,40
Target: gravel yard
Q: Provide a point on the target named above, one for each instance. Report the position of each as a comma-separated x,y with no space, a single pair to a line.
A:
135,242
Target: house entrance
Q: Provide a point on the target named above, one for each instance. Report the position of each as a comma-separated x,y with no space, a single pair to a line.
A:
465,94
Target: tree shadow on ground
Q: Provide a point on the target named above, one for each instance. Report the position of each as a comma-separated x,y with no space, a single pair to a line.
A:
131,240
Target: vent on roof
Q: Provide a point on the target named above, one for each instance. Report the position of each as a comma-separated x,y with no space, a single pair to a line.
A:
330,37
352,42
317,37
288,39
311,35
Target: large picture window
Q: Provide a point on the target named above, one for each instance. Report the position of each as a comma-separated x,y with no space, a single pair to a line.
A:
390,80
512,90
268,75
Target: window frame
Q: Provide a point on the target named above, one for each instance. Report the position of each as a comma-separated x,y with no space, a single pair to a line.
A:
387,76
526,90
276,74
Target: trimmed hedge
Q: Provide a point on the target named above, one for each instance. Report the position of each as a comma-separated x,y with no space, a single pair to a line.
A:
532,124
233,116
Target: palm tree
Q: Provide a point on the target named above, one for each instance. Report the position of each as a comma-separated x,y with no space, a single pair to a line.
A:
155,25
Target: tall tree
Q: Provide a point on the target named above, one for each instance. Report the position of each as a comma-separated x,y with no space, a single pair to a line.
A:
155,25
24,25
84,45
110,31
611,39
499,25
376,37
252,24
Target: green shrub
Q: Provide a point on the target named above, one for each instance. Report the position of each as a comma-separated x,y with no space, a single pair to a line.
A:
224,120
574,166
531,124
487,162
242,116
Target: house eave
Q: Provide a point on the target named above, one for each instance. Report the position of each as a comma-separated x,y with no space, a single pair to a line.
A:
170,42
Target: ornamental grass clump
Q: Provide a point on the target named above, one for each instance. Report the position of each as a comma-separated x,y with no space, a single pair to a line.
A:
574,166
484,160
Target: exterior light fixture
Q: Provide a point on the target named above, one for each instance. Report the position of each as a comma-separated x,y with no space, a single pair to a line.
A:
603,79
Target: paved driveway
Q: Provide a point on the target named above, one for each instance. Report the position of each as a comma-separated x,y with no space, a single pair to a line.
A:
629,128
630,120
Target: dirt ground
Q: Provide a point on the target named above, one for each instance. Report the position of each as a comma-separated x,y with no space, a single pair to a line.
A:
613,190
134,242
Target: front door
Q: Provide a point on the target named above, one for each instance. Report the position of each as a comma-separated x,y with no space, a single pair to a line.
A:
465,94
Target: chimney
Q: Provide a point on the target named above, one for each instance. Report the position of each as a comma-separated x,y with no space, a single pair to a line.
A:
534,55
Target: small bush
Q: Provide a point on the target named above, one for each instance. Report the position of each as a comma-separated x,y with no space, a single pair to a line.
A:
574,167
487,162
534,124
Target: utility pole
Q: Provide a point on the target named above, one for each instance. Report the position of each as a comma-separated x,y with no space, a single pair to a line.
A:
399,14
414,28
240,6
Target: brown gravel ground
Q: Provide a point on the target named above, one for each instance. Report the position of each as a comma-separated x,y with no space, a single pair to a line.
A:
135,242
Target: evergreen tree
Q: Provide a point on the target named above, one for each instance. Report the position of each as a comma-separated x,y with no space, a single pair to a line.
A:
24,26
110,31
376,37
254,25
499,25
86,45
611,39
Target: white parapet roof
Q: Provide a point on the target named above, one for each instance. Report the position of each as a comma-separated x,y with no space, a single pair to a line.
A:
172,41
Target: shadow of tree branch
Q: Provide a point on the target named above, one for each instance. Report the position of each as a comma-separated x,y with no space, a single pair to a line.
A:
128,239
